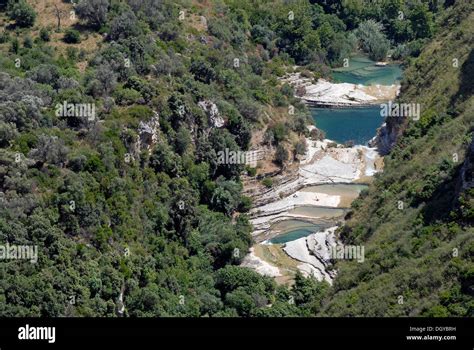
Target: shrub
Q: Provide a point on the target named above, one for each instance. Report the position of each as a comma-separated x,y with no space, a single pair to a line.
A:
126,96
251,171
22,13
94,12
267,182
281,155
28,42
72,36
44,34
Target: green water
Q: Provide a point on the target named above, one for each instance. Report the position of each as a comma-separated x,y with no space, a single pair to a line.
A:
362,70
296,234
348,124
294,229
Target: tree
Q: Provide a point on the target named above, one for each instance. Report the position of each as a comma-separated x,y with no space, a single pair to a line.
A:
421,21
94,12
241,301
50,150
59,13
45,74
202,71
183,140
241,129
8,133
22,13
183,208
281,155
226,196
309,293
372,40
165,160
124,26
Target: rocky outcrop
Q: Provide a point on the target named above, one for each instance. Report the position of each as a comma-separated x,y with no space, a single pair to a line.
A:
148,132
261,266
144,138
314,253
212,112
388,134
326,94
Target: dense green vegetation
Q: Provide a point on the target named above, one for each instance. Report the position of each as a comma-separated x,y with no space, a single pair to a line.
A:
416,220
132,199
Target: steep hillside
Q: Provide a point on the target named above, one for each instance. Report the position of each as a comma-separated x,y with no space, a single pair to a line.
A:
415,222
113,116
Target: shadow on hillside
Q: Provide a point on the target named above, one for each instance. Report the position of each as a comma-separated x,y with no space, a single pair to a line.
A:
466,86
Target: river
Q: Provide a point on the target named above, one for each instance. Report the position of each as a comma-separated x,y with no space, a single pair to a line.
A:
287,248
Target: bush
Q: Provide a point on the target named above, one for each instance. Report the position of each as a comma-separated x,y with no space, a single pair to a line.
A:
126,96
72,36
28,42
281,155
94,12
267,182
245,204
251,171
22,13
44,34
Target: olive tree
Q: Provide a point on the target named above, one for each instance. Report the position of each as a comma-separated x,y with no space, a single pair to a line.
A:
94,12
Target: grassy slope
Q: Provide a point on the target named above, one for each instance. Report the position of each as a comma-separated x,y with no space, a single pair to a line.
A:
409,252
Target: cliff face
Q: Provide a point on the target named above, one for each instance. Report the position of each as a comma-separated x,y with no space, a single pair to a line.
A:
387,135
415,222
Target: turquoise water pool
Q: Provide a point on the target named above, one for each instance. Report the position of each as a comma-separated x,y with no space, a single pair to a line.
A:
348,124
356,124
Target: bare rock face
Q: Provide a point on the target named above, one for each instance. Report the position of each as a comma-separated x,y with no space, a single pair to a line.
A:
212,112
144,138
388,134
148,132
